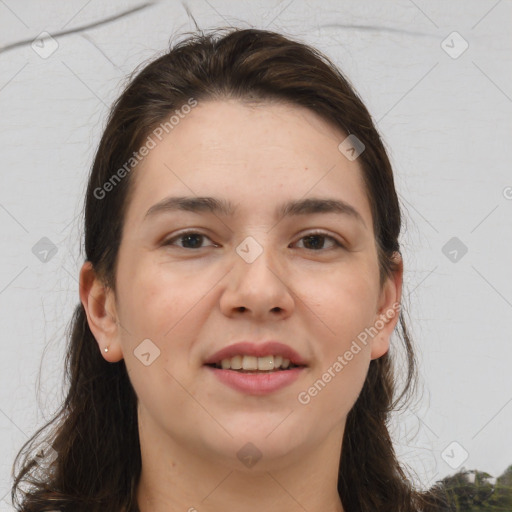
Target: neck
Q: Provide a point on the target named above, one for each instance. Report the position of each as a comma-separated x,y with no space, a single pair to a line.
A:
174,478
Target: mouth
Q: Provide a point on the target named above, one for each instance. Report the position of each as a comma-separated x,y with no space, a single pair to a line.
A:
255,365
257,368
256,376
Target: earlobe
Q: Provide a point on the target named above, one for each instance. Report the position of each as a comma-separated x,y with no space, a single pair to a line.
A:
388,312
99,303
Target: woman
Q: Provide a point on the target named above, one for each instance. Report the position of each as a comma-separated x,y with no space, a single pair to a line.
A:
242,280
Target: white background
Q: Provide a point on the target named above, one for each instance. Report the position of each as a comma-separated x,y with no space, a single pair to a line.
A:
445,120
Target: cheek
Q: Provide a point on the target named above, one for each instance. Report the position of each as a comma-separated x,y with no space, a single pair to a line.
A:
336,382
345,300
168,308
344,307
158,305
157,301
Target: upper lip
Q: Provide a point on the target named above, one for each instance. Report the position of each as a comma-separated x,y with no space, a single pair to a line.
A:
265,348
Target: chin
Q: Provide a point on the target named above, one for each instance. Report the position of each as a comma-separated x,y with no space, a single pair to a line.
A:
245,454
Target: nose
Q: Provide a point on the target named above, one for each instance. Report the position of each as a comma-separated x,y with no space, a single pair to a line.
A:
258,288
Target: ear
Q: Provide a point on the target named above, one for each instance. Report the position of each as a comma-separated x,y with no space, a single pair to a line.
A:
99,303
388,309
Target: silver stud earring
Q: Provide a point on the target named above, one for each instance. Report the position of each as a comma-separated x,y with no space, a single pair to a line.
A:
105,349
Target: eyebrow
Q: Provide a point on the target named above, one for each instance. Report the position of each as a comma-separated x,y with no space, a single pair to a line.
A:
221,206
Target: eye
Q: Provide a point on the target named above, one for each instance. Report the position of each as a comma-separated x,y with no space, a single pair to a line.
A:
190,239
316,241
194,239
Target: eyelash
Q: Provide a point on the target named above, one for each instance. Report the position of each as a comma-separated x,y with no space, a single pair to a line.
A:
321,234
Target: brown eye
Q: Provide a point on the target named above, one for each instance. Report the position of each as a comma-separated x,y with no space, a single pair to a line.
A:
316,241
189,239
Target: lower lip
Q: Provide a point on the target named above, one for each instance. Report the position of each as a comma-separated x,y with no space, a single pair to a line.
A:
257,383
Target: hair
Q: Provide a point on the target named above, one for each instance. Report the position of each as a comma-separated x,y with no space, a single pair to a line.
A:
93,471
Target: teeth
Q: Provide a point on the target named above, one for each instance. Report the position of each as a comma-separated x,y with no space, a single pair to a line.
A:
266,363
236,363
250,363
253,363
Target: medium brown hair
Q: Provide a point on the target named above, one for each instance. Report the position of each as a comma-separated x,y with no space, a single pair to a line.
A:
97,472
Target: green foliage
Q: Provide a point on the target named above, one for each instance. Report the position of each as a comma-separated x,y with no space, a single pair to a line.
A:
477,491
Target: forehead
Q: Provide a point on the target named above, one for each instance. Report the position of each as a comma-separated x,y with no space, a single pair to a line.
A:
253,154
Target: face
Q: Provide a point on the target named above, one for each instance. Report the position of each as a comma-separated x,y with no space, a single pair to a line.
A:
193,280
